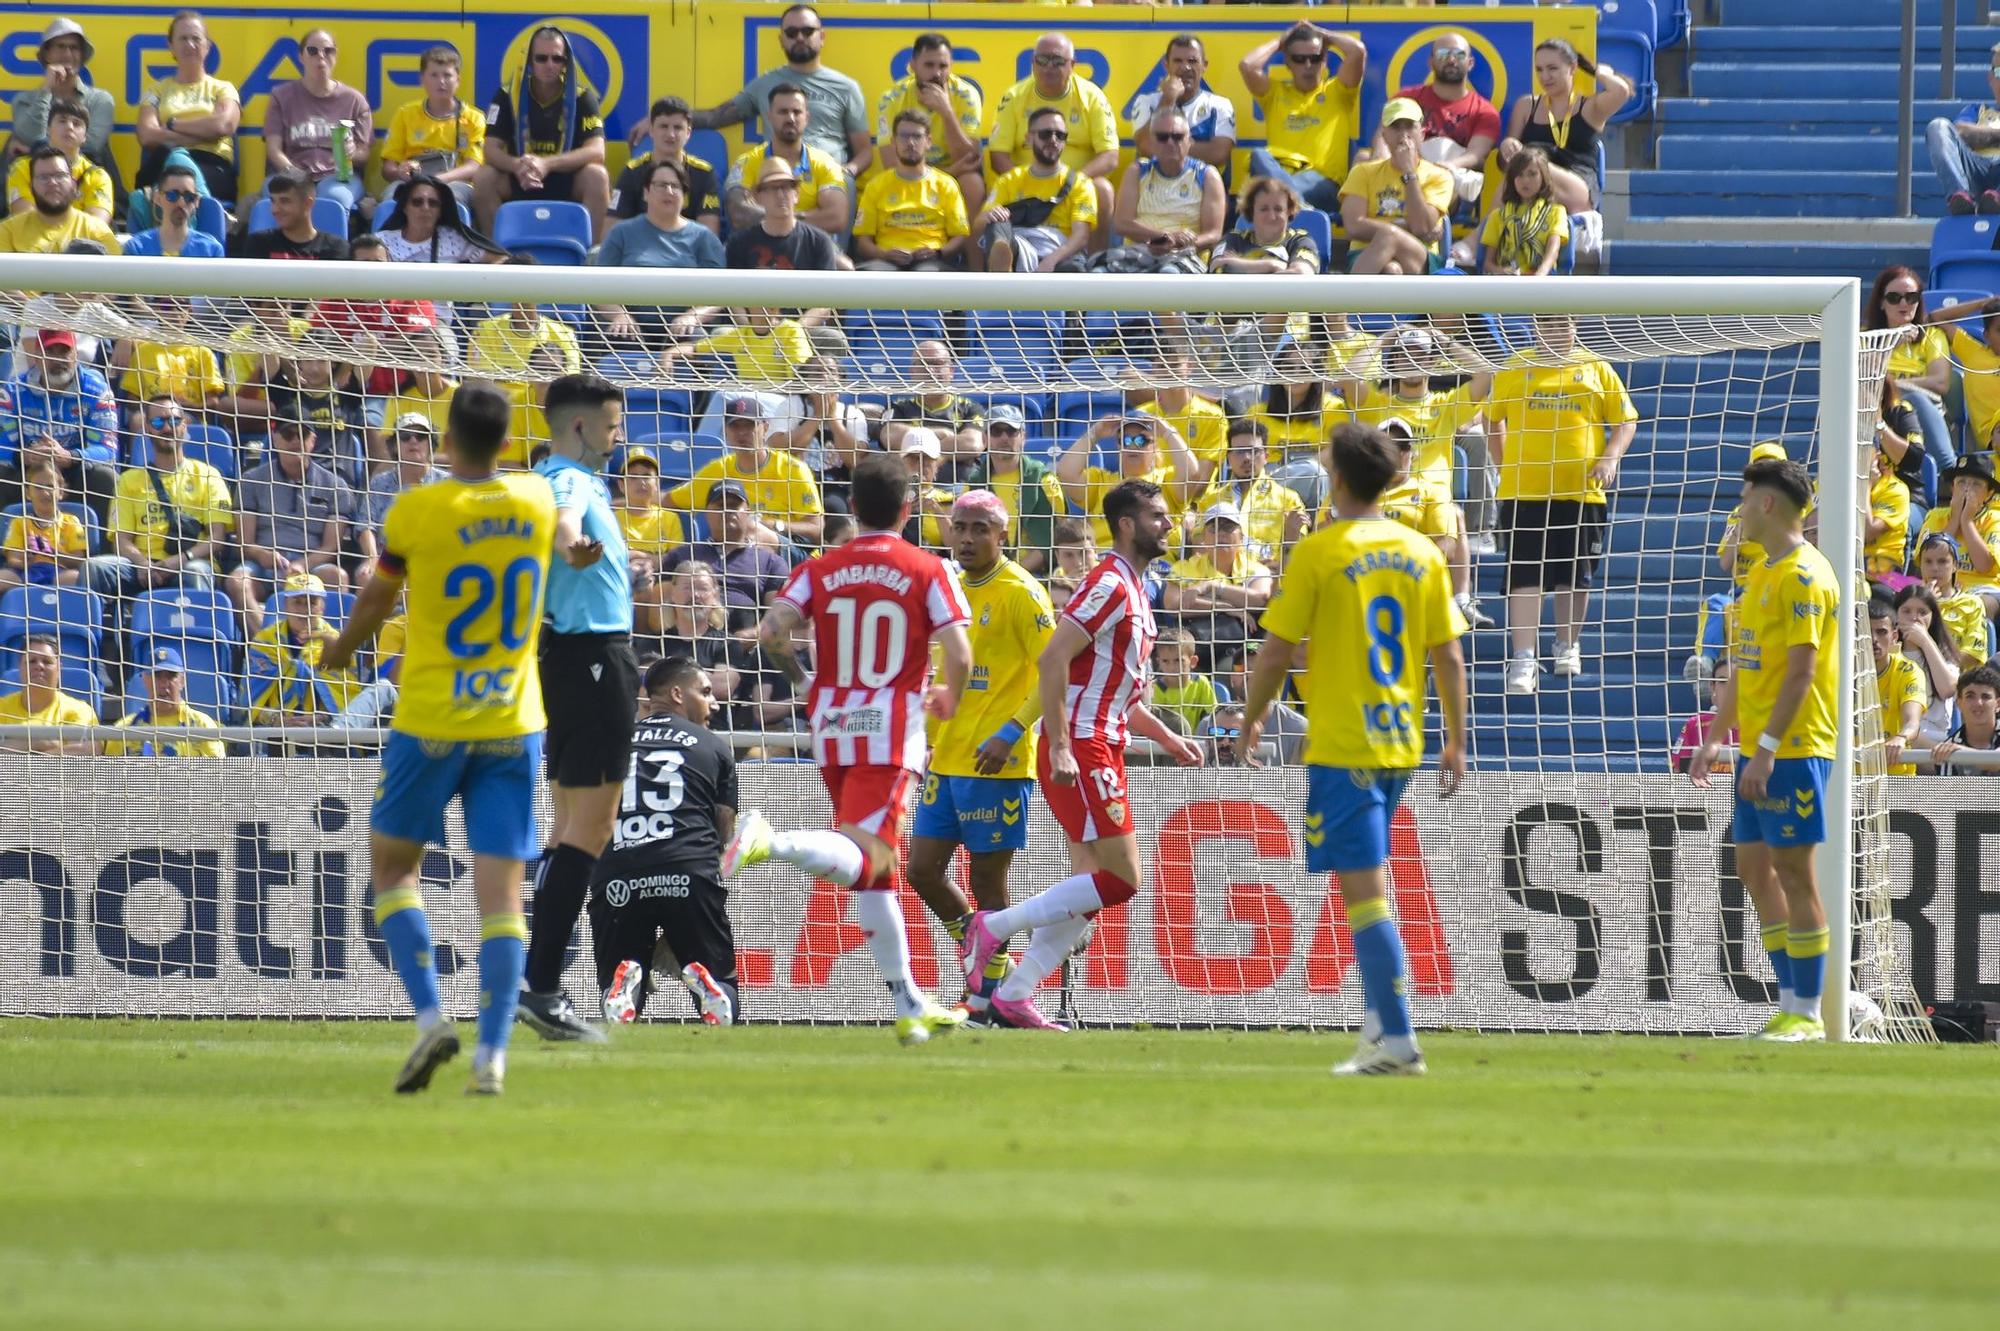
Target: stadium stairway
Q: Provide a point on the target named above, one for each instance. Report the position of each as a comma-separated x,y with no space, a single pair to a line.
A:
1773,145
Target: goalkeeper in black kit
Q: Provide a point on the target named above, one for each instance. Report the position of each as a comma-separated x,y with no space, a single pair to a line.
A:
657,902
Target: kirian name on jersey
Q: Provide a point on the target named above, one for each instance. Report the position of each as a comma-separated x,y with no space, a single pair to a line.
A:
1394,561
854,575
487,529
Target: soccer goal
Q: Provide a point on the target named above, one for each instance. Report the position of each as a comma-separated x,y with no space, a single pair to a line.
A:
155,865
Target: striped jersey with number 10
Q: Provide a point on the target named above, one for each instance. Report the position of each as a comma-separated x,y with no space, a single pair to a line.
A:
475,559
874,604
1372,597
1111,606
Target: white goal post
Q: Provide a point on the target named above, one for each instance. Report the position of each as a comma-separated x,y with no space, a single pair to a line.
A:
1626,321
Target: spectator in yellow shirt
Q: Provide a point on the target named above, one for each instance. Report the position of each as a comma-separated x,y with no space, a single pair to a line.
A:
953,107
55,219
779,486
1310,120
1041,216
519,349
69,125
1394,207
437,135
186,371
1971,517
1090,126
1220,589
1181,693
45,544
1274,517
823,183
166,705
1149,449
912,217
1886,529
652,531
41,702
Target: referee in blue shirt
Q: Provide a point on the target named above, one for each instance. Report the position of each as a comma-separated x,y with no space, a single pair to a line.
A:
590,687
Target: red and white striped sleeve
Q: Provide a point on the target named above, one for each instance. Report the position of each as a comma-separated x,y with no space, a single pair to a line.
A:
799,588
1098,603
944,599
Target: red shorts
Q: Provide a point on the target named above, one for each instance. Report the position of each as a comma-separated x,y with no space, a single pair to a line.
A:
873,799
1096,806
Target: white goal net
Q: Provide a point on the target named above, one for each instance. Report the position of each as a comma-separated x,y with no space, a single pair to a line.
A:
203,450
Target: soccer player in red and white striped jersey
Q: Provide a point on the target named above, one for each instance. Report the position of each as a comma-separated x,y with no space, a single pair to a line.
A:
875,605
1093,678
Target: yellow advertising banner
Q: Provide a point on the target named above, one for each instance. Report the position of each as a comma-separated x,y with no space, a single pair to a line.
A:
632,51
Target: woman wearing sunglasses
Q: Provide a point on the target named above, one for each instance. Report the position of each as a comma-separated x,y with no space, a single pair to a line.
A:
425,227
1920,364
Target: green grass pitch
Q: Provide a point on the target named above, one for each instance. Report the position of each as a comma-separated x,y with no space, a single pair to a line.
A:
261,1175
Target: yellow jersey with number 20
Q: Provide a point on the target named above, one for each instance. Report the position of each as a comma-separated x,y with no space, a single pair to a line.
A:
1373,598
475,559
1788,602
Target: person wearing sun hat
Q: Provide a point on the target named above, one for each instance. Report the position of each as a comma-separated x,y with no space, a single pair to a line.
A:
1969,514
63,53
165,680
1394,207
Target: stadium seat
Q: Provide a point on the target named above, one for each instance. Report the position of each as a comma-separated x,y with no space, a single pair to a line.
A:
711,147
93,531
78,680
211,217
1974,272
72,615
1018,340
328,216
212,444
1319,226
682,453
1954,236
1673,21
880,340
203,627
555,233
1927,481
1627,31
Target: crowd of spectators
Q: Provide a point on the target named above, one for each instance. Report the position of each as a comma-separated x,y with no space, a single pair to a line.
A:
240,454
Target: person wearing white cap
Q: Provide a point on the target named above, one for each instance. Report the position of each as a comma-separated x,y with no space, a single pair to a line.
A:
1219,587
923,454
1391,377
1394,207
287,685
414,444
63,53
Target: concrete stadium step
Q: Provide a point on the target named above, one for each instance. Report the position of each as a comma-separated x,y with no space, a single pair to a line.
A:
1832,14
1777,193
1802,43
1754,110
1673,258
1748,152
1874,79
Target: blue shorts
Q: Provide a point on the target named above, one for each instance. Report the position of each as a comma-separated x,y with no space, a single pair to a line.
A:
983,813
1793,810
1348,810
493,779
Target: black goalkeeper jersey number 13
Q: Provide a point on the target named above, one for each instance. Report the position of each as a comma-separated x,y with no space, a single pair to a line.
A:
681,773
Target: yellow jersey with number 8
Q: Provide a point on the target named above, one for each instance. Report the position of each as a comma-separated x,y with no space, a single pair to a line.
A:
1372,598
474,556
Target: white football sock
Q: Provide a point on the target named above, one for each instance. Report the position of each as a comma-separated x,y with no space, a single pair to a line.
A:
881,918
1073,896
821,852
1371,1026
1046,949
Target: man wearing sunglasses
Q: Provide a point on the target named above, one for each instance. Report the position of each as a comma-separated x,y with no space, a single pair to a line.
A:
545,138
1965,151
1040,216
838,127
174,197
1090,128
318,127
170,517
1309,119
1170,206
1460,125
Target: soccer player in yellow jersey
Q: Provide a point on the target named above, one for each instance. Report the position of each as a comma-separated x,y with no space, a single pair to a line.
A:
983,759
1900,690
471,554
1716,627
1374,599
1784,693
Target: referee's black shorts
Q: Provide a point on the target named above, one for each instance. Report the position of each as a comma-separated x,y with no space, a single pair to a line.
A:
590,689
1553,545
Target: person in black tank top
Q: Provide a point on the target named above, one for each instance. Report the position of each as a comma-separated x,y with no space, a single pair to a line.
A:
1562,123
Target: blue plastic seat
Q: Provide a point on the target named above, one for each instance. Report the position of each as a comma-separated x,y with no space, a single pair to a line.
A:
1319,226
71,615
211,217
555,233
1018,339
1952,236
883,343
327,215
93,533
203,627
1974,272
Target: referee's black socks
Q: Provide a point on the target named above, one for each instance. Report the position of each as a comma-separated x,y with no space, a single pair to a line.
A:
559,893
